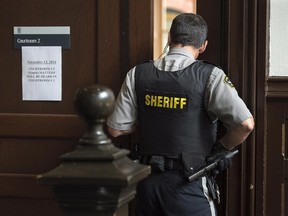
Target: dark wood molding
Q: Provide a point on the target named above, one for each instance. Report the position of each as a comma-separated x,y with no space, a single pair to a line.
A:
141,30
261,121
23,186
37,125
277,88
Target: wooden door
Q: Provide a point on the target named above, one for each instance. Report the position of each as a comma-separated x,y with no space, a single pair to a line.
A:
33,134
238,33
105,42
277,147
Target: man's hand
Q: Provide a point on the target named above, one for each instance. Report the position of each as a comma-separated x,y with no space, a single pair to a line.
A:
218,153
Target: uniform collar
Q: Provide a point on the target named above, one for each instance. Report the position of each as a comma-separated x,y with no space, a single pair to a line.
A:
176,59
180,51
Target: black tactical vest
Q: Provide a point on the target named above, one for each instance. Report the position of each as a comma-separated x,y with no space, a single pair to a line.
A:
172,115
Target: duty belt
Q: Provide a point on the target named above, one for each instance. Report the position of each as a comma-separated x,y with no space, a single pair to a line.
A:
161,163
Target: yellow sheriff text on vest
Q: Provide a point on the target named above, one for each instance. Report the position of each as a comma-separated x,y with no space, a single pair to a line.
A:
165,101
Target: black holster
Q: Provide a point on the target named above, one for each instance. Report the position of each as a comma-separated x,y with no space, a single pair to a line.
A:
192,162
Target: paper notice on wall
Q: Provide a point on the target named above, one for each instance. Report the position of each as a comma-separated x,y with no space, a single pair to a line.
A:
42,73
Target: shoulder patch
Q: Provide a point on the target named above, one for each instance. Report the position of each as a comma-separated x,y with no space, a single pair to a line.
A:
228,82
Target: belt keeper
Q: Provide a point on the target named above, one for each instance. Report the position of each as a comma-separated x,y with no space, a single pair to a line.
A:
169,163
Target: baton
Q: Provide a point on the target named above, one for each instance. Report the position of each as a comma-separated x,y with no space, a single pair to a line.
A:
208,168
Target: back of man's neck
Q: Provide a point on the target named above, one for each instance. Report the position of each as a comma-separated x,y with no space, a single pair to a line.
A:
190,49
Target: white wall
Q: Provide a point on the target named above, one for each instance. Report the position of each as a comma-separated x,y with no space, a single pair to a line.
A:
278,38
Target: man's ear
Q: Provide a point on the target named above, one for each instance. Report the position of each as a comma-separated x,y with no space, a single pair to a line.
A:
169,39
203,47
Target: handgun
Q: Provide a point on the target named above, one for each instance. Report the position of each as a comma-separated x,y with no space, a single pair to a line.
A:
206,169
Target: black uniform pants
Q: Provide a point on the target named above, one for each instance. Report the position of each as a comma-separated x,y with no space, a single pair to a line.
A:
168,194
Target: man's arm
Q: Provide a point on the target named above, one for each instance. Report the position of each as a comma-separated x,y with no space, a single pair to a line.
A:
124,117
237,135
116,133
223,103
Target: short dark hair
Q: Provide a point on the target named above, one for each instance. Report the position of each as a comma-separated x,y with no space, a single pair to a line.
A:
188,29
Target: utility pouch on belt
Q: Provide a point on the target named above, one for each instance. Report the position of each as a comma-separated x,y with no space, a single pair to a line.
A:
157,163
192,161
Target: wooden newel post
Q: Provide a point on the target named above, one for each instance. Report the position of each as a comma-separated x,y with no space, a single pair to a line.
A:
96,178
